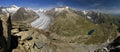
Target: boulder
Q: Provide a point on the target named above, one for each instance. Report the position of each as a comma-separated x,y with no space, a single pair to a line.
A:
16,50
14,31
23,34
39,44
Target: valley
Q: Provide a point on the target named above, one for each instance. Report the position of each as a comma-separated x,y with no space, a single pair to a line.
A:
42,22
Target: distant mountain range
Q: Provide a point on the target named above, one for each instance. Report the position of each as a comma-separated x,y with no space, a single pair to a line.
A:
10,9
14,8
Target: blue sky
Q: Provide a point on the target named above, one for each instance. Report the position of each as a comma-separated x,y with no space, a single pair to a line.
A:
111,6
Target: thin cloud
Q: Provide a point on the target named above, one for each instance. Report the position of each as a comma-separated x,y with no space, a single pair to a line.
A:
95,5
60,4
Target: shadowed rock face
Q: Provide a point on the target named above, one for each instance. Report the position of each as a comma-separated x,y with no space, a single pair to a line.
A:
24,15
5,36
118,29
115,45
2,38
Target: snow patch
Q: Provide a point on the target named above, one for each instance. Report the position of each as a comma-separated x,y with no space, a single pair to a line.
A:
40,10
59,9
10,9
28,9
89,17
85,12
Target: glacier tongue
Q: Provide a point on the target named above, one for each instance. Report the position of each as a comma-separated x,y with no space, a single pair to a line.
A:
42,22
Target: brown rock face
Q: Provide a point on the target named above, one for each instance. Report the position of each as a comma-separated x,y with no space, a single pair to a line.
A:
5,36
24,15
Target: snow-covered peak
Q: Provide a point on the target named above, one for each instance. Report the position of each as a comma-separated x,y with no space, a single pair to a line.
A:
10,9
40,10
59,9
28,9
89,17
84,12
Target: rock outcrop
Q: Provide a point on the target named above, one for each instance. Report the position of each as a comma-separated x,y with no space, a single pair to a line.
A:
114,46
5,32
32,40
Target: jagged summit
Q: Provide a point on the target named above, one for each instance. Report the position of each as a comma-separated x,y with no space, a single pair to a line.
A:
26,9
10,9
85,12
24,15
40,10
13,6
59,9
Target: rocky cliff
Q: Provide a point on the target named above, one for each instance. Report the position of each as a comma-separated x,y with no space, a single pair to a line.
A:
5,25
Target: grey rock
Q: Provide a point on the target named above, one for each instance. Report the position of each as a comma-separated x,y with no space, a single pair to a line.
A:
39,44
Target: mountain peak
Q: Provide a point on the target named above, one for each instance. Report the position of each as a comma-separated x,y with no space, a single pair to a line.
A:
85,12
62,8
40,10
25,9
10,9
24,14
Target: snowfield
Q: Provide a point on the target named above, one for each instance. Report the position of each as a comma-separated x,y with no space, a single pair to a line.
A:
42,22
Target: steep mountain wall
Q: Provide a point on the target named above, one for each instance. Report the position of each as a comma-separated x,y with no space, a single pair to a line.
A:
5,32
